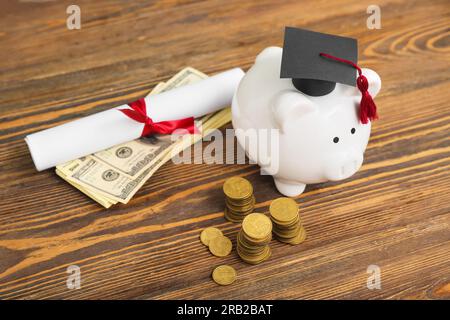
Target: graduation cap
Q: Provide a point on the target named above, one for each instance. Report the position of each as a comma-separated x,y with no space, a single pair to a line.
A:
316,61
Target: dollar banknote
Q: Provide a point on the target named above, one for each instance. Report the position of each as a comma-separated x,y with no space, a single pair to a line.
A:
134,157
66,169
116,174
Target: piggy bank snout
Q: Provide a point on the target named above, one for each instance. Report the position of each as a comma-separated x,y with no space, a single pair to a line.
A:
344,166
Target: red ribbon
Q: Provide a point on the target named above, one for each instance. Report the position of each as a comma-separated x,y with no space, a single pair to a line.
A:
138,112
367,107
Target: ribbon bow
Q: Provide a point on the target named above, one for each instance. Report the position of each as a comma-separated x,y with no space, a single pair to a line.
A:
138,112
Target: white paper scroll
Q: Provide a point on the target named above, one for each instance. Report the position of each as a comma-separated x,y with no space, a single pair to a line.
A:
103,130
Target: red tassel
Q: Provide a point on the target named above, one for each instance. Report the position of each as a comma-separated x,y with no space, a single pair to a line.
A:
367,107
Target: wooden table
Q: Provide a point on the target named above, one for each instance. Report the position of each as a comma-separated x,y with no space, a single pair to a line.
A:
394,213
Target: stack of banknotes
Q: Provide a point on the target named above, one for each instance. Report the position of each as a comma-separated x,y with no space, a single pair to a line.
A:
116,174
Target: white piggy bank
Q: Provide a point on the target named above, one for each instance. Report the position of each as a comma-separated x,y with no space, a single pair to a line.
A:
320,138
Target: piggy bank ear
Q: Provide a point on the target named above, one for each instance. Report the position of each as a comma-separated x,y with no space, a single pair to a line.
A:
288,106
267,53
374,81
374,84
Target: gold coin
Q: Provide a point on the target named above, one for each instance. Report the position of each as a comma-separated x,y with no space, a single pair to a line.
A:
286,225
241,211
237,188
224,275
230,216
250,242
287,232
284,209
240,203
301,236
208,234
241,208
255,259
242,246
257,225
220,246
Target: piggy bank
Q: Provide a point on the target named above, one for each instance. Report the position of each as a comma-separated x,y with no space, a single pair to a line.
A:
319,138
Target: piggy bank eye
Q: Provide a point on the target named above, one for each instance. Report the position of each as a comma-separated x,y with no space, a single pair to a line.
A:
335,139
353,130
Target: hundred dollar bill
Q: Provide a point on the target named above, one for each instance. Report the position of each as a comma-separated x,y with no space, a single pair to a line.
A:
66,169
115,173
186,76
104,182
134,157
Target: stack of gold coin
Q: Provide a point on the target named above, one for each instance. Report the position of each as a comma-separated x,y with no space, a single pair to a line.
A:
239,198
254,237
287,225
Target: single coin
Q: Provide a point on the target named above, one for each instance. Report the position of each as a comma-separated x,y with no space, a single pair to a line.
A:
220,246
209,233
224,275
237,188
284,209
257,225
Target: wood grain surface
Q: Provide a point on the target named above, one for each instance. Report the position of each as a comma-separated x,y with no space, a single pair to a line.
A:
394,212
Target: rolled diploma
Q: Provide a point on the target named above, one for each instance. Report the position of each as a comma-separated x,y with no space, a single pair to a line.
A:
105,129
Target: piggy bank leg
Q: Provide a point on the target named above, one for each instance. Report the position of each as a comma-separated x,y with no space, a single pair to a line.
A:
289,188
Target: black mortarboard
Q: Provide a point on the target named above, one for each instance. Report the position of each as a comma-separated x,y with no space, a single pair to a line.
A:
311,73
